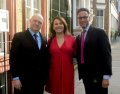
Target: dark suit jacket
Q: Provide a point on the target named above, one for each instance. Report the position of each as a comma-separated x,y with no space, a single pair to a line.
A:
27,61
97,53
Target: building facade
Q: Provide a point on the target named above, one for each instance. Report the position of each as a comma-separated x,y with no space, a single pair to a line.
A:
19,13
104,14
81,4
119,16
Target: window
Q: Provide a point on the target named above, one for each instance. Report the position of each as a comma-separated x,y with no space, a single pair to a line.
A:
100,19
59,8
32,6
2,41
77,7
91,4
100,1
1,44
2,6
114,24
55,4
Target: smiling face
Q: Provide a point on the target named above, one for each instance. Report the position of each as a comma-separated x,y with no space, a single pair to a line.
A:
58,26
83,18
36,22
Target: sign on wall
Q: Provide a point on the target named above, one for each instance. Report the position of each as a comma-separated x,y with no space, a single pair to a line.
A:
4,20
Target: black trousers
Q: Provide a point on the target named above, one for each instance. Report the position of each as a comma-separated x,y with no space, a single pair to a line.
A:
34,86
30,90
93,84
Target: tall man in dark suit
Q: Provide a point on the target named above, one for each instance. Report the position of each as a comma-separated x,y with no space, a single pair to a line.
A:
93,56
29,59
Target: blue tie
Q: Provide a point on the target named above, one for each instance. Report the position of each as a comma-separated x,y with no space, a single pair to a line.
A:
35,37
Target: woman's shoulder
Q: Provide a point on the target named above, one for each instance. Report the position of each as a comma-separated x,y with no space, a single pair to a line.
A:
70,37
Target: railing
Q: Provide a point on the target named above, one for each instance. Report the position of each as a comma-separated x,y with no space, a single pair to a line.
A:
4,64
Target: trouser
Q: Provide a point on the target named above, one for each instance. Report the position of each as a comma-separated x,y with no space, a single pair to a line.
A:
93,85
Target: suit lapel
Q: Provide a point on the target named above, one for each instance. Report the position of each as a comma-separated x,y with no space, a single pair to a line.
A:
30,39
89,34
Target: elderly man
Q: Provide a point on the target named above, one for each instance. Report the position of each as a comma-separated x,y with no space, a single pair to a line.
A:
28,59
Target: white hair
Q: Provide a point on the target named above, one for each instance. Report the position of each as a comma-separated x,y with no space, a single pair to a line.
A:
37,14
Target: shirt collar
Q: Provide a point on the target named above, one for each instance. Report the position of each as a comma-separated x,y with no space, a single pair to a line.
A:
86,29
32,33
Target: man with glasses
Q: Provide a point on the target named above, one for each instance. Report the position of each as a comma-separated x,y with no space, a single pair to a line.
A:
93,56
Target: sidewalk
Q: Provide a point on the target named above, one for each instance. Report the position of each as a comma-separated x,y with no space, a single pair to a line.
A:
114,87
115,43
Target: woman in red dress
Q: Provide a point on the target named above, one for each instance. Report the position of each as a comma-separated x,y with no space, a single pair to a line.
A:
62,50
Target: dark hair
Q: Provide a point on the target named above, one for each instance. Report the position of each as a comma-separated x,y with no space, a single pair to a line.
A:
52,31
82,9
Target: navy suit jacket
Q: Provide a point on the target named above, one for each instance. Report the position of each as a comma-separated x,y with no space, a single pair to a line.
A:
27,61
97,53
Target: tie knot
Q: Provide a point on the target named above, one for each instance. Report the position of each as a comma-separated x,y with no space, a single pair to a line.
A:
35,36
84,30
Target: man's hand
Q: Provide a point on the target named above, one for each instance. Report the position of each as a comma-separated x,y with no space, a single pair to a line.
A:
17,84
105,83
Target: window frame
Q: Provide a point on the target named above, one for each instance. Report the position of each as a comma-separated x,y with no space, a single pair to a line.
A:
100,18
2,6
32,10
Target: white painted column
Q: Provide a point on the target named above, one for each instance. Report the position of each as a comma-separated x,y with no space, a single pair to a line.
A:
82,3
87,4
74,14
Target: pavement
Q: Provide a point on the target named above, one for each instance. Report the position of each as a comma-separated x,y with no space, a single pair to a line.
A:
114,87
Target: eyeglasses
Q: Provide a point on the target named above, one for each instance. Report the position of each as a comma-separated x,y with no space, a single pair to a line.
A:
84,17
